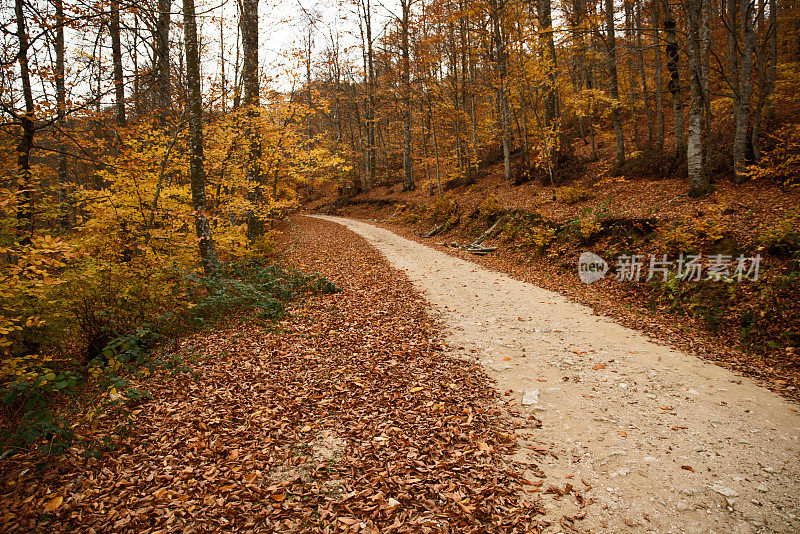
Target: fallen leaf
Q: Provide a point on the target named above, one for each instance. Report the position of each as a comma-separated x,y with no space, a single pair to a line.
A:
53,503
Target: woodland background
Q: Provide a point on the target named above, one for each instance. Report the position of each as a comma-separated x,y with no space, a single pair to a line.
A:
141,184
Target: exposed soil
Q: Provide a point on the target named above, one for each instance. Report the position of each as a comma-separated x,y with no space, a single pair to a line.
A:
625,302
656,440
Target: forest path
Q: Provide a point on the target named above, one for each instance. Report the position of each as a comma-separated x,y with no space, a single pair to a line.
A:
659,440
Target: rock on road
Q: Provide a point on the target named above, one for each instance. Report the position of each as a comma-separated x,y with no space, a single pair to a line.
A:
660,440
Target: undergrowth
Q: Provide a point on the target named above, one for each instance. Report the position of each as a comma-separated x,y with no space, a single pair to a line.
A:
40,393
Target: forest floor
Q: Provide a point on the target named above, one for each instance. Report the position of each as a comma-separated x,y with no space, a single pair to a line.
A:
738,215
649,439
347,416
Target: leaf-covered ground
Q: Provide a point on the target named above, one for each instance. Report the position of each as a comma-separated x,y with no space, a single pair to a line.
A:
349,417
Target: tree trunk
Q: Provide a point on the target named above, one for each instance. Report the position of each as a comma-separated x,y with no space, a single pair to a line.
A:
773,58
408,171
25,218
745,92
659,82
732,69
705,79
631,77
640,60
251,101
208,253
546,26
137,100
501,60
61,109
611,43
162,59
699,185
586,68
223,87
116,57
765,75
673,57
237,81
369,104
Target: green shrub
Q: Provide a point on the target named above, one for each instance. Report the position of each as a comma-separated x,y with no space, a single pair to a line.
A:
784,237
574,195
30,385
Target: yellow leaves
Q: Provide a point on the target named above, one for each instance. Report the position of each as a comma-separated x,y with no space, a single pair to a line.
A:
34,321
416,389
53,503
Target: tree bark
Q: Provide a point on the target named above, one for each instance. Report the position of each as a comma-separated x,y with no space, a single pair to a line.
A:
208,253
501,61
673,58
699,185
61,110
611,44
745,92
546,27
408,171
659,82
116,57
162,60
637,14
630,36
369,101
251,101
25,210
732,69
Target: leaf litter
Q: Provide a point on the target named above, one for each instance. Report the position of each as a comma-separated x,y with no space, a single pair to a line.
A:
349,417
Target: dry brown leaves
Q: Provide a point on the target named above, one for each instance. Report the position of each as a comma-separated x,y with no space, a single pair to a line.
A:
348,419
626,303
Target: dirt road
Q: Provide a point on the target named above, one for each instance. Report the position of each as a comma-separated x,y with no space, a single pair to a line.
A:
660,440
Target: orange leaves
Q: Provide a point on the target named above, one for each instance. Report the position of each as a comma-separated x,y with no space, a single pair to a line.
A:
52,504
303,430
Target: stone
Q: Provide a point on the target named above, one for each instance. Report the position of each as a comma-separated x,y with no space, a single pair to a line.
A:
724,491
530,397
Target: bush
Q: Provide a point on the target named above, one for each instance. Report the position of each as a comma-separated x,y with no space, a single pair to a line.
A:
679,238
784,237
574,195
117,339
